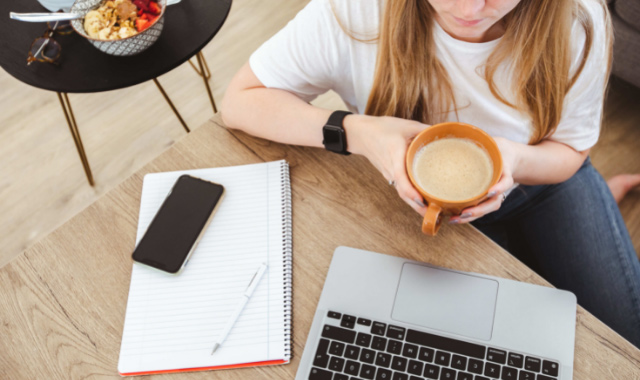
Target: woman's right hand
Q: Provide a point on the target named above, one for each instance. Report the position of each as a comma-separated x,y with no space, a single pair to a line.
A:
384,141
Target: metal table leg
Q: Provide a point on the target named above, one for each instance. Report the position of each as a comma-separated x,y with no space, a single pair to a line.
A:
155,80
205,74
75,133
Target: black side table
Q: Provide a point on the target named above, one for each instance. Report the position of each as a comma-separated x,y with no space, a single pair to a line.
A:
82,68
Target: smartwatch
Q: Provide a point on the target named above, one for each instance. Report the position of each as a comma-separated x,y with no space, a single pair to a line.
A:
334,137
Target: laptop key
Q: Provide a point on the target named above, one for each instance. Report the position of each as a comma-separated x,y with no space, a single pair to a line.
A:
415,378
322,359
481,378
364,322
378,328
443,358
431,371
459,362
464,376
363,339
550,368
475,366
379,343
367,356
441,343
336,348
532,364
394,347
320,374
525,375
426,354
352,352
543,377
348,321
515,360
352,368
396,332
334,315
398,363
496,356
367,371
336,364
340,376
400,376
447,374
509,373
410,351
383,374
415,367
492,370
338,333
383,360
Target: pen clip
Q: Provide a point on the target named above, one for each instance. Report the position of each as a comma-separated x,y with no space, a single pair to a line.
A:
255,279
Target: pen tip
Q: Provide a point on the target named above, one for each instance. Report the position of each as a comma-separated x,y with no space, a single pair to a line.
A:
215,347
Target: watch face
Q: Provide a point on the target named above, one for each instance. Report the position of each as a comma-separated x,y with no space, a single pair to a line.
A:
333,138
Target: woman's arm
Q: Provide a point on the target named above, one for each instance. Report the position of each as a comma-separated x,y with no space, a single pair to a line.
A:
270,113
544,163
281,116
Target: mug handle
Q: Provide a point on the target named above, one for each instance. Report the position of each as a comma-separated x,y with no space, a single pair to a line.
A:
432,219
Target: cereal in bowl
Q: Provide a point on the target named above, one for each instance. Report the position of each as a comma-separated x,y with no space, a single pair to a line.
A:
117,19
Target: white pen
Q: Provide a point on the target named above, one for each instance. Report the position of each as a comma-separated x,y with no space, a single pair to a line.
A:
241,304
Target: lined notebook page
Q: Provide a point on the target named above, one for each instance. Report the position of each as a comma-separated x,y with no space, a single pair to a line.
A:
172,321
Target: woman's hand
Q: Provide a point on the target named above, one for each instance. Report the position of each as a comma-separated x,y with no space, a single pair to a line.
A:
496,194
384,141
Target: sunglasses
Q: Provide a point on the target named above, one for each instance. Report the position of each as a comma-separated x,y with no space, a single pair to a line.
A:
45,48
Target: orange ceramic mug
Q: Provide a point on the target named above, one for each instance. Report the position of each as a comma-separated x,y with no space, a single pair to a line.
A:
438,206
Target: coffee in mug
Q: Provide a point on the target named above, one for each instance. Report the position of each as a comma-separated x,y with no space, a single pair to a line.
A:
459,163
453,168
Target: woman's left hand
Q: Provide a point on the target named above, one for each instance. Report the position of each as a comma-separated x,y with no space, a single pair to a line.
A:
496,194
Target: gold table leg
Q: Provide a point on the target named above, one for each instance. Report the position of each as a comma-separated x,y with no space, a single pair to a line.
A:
175,111
205,74
75,133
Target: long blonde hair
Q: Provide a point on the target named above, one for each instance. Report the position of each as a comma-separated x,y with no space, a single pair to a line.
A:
410,82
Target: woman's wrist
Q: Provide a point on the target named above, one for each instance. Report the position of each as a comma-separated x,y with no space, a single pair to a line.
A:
354,126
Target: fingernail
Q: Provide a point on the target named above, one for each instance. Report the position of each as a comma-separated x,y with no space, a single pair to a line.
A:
419,202
454,221
465,215
491,194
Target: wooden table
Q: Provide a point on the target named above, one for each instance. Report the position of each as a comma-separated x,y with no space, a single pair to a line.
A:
62,302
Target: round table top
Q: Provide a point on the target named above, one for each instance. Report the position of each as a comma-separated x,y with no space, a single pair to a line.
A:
189,26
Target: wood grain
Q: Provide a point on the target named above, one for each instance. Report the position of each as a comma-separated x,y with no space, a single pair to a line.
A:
63,301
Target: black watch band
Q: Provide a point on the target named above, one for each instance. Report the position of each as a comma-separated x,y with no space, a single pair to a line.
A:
334,136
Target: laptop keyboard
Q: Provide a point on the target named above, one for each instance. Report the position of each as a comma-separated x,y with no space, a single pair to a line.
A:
352,348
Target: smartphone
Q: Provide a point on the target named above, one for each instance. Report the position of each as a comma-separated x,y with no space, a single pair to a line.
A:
178,226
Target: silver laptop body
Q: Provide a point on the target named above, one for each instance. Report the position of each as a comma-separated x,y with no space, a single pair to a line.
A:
388,318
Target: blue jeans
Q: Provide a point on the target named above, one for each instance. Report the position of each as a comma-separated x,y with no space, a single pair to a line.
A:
573,235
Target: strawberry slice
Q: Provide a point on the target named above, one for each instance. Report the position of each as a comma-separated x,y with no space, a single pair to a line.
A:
142,24
142,4
154,8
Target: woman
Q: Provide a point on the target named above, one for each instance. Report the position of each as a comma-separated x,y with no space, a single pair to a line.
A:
531,73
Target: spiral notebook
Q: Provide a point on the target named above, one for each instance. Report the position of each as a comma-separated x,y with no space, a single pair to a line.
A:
172,322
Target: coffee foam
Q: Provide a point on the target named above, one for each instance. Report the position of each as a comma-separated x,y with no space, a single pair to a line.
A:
453,169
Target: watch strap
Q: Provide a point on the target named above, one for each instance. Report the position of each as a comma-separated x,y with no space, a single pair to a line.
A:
336,121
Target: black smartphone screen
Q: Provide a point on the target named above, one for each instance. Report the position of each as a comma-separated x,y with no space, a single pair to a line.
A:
177,225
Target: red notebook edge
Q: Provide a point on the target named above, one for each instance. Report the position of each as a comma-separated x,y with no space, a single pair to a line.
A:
230,366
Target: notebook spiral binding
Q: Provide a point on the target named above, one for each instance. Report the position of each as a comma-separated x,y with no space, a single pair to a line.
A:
288,255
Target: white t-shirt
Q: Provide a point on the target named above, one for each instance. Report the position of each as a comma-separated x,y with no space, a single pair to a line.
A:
312,54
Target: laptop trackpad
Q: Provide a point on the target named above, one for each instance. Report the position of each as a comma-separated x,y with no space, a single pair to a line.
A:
439,299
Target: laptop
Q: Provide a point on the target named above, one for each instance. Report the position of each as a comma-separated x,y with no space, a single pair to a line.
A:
382,317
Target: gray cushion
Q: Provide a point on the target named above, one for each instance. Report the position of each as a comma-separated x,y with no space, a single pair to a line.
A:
626,51
629,11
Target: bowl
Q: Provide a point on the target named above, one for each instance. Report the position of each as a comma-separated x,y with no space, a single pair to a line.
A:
125,46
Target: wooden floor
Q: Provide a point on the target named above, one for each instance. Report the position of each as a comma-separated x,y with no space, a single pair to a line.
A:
42,183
